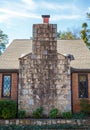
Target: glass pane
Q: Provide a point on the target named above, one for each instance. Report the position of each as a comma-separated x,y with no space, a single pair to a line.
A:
6,85
82,78
83,86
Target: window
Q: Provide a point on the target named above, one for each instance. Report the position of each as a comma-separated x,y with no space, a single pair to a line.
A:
6,90
83,86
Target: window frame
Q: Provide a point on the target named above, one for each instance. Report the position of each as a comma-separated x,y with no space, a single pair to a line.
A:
3,85
86,75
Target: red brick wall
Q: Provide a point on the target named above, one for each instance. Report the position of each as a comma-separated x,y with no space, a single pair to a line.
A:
14,85
75,96
0,85
89,86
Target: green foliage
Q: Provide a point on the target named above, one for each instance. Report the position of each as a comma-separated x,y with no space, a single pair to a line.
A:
85,34
85,106
67,115
21,113
8,109
80,115
42,127
84,25
88,16
3,41
53,113
68,34
58,34
38,112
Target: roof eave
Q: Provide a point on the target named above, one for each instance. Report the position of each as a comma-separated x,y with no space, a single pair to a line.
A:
9,70
80,70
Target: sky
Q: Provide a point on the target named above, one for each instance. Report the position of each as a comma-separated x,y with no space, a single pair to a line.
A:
18,16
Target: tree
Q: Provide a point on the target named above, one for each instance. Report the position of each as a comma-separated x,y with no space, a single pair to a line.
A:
85,34
67,35
58,34
3,41
84,25
88,15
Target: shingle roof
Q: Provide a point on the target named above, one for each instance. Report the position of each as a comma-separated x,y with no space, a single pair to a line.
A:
77,48
10,58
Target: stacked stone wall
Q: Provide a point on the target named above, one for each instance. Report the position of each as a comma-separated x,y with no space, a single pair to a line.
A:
85,123
44,74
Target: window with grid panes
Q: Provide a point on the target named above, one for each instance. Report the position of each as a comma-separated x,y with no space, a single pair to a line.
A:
6,90
83,85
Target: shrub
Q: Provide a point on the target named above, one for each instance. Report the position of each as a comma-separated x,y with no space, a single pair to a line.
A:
88,109
8,109
37,113
53,113
85,106
44,127
80,115
67,115
21,113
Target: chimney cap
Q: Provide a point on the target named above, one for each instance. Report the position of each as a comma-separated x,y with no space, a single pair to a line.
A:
45,16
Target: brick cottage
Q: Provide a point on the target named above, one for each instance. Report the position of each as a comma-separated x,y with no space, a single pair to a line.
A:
45,71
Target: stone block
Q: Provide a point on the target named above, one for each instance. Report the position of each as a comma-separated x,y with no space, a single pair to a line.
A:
6,122
2,122
39,123
17,122
25,91
69,121
33,57
63,121
44,52
31,102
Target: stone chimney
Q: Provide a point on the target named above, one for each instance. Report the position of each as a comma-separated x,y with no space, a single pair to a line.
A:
44,38
45,51
43,74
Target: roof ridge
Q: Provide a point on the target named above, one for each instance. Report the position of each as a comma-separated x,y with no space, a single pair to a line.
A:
20,39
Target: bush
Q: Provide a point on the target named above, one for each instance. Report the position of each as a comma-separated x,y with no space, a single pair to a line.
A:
80,115
67,115
37,113
85,106
53,113
44,127
8,109
21,113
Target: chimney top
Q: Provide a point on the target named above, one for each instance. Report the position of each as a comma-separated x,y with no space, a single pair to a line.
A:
46,18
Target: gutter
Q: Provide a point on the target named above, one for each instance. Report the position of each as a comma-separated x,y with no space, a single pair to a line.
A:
79,70
9,70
